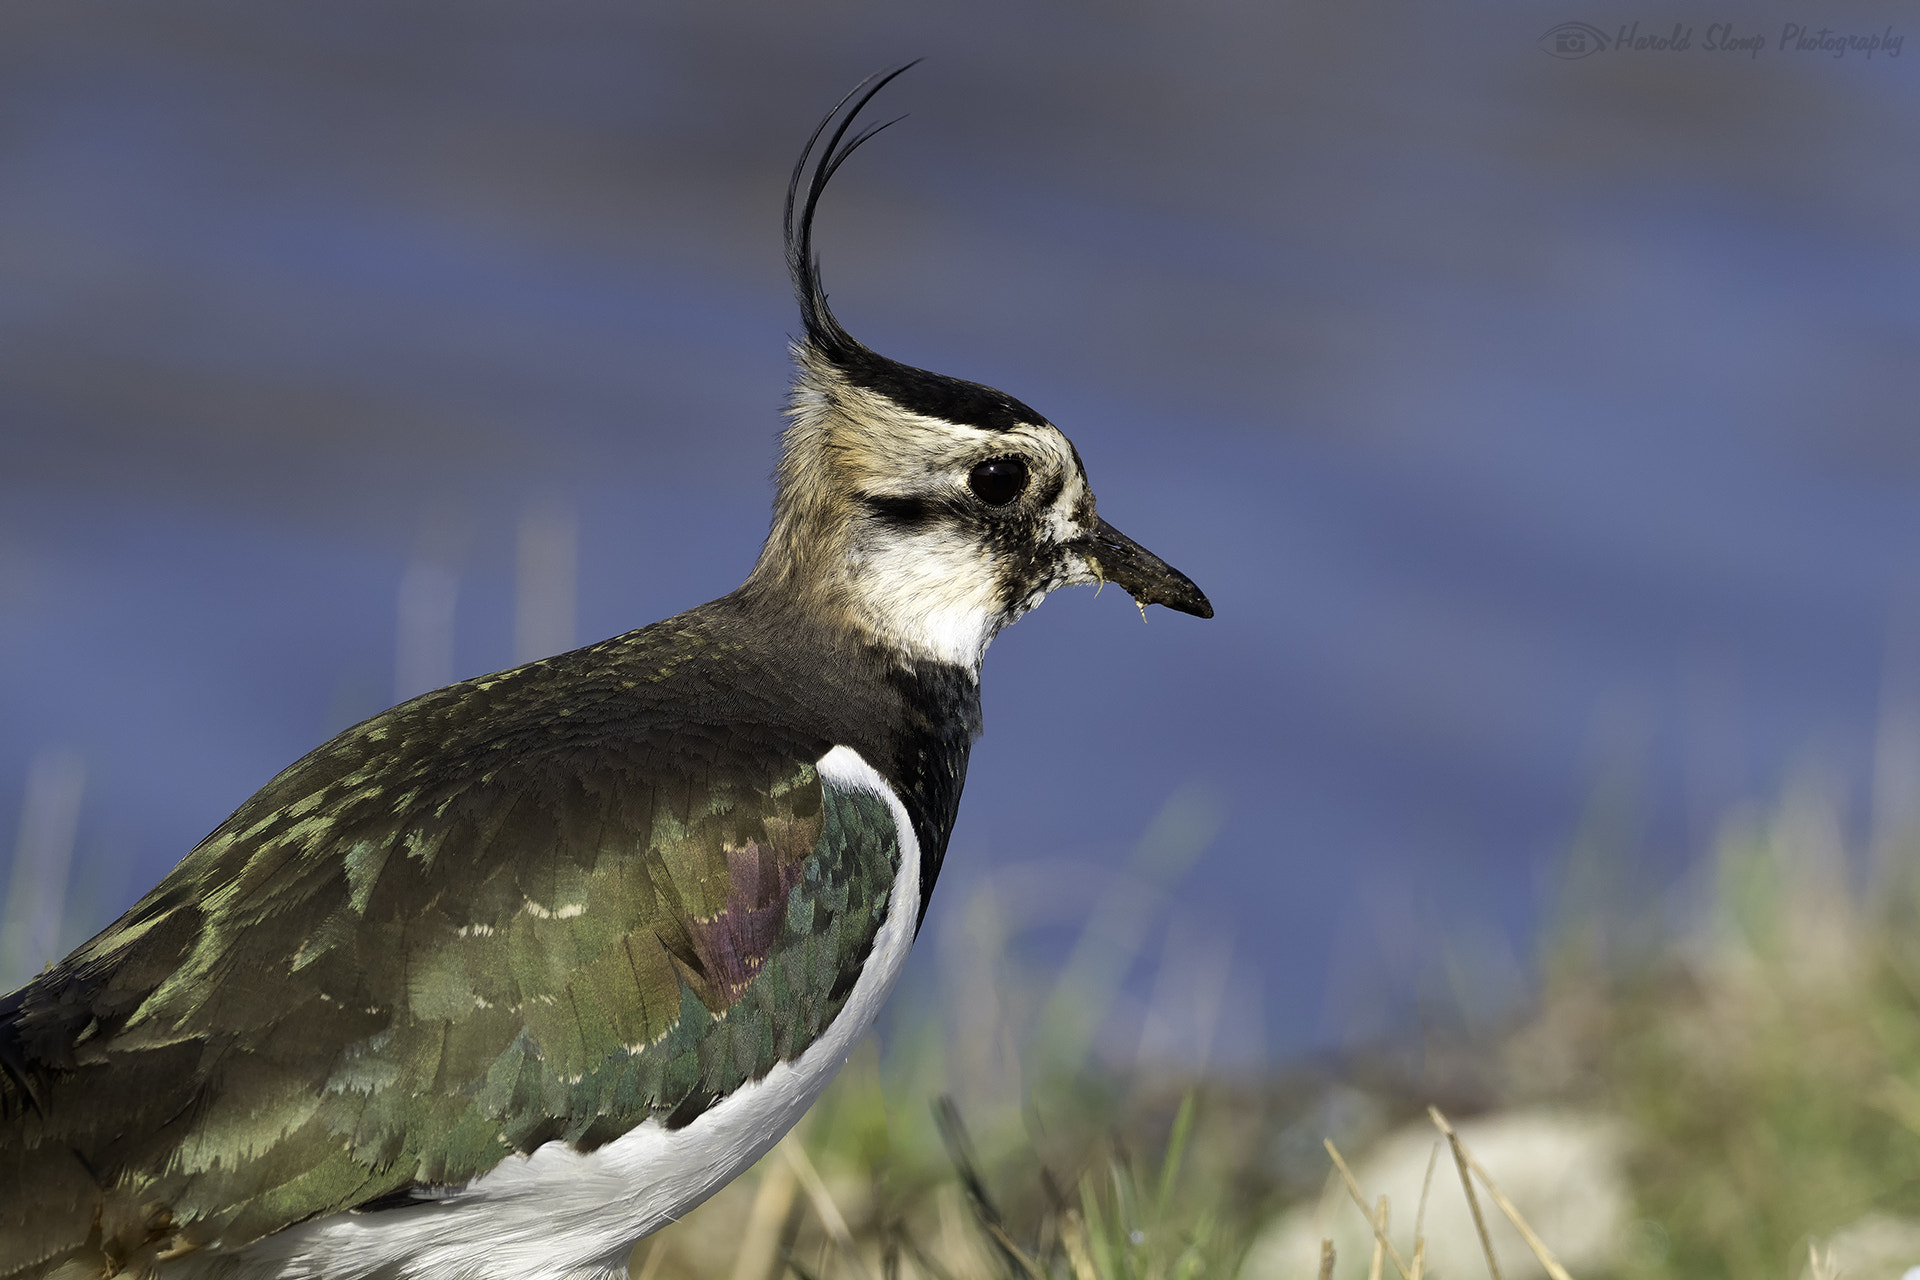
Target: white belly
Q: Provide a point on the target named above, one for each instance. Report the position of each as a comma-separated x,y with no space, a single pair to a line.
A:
557,1214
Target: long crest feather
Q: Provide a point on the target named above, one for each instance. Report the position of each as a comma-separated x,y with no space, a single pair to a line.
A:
813,171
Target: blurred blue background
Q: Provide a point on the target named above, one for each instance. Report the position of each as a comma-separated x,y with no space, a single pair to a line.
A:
1540,428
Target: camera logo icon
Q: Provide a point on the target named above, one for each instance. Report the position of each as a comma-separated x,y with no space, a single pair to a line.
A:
1572,40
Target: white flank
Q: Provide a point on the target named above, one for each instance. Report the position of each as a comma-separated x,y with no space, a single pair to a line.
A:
561,1215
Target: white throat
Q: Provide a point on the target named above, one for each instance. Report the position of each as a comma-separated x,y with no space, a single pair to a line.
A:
933,595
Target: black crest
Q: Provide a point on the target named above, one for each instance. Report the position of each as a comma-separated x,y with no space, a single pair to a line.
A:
932,394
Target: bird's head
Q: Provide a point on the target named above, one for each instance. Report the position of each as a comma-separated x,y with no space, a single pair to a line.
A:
924,511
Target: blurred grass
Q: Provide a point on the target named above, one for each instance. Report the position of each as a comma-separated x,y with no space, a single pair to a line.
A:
1732,1065
1769,1062
1753,1039
919,1195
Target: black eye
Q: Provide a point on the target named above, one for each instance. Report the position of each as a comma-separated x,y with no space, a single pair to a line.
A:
998,481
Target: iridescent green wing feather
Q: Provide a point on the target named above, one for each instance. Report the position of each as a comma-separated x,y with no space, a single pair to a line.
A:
383,973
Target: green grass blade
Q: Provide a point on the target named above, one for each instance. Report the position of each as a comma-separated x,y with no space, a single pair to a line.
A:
1176,1149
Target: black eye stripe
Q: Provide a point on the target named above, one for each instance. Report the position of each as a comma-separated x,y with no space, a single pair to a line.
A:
995,482
906,514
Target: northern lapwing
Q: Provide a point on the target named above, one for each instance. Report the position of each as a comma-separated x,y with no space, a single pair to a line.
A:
514,973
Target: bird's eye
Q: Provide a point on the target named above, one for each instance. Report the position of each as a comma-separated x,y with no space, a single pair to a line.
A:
998,481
